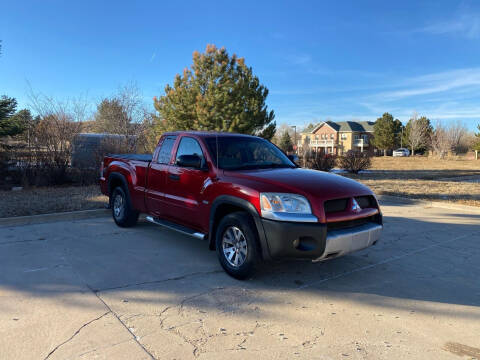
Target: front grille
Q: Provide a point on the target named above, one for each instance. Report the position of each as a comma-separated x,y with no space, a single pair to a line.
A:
339,205
339,225
367,201
335,205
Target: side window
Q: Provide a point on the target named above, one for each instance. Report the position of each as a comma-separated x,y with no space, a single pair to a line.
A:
189,146
166,150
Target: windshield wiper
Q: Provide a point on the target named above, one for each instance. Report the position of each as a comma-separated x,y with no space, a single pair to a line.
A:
281,166
260,166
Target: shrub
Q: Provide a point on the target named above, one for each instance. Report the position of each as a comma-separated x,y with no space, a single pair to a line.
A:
320,161
354,161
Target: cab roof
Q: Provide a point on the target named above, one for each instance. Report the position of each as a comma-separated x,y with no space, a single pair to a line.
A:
207,133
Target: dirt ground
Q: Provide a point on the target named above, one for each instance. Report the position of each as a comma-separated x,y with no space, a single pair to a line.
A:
46,200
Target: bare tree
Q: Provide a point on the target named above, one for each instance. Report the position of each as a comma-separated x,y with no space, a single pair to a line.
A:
418,132
446,139
124,113
306,151
281,129
456,132
53,139
439,140
60,122
121,113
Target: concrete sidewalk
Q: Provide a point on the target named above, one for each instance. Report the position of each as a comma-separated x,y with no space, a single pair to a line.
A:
88,289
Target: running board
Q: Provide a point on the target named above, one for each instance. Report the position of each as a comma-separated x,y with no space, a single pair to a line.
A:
172,226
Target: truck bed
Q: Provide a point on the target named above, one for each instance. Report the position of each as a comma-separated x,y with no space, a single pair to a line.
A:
136,157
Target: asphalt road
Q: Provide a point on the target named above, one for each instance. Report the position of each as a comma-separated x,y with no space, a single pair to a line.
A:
88,289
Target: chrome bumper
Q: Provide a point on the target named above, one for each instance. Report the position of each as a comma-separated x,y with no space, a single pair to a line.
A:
341,242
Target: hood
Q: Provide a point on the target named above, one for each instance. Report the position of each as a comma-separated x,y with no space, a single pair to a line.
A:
311,183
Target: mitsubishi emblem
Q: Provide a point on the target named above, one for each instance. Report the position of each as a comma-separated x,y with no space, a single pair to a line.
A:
355,206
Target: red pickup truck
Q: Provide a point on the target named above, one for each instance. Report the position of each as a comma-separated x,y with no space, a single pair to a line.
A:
243,195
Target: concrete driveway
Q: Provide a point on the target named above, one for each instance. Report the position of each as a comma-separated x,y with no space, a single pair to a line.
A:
88,289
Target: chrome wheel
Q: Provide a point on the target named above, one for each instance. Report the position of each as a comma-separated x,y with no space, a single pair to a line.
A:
234,245
118,206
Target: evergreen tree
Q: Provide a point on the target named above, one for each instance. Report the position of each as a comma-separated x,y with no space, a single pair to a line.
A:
111,118
286,143
386,132
10,123
397,130
219,92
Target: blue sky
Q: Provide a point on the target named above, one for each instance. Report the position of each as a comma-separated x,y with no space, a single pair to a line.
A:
338,60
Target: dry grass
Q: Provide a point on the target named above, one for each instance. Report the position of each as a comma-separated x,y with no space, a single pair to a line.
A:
426,167
425,178
50,199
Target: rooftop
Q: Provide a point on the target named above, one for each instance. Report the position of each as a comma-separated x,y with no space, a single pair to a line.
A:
347,126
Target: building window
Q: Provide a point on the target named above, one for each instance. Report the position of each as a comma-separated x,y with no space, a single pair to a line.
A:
344,136
357,137
331,136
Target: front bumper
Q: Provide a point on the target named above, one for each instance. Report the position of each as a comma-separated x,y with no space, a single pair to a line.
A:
341,242
313,241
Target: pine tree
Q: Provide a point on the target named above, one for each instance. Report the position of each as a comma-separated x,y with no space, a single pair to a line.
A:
11,123
111,118
386,132
219,92
286,143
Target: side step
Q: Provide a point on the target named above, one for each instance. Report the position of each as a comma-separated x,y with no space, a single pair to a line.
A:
181,229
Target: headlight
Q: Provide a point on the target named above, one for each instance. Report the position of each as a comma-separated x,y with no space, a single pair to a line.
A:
286,207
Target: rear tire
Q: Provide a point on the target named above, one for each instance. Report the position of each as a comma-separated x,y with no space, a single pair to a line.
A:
123,213
237,245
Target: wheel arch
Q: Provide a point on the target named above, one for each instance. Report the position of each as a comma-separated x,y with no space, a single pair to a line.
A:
226,204
116,179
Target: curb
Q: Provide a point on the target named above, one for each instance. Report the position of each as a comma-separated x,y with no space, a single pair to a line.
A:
428,203
54,217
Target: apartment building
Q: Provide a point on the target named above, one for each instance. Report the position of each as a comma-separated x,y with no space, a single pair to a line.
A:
338,137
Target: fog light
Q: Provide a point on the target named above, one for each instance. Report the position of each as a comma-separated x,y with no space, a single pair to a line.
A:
296,243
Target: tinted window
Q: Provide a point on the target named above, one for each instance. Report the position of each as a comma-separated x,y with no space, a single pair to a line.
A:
189,146
242,152
166,150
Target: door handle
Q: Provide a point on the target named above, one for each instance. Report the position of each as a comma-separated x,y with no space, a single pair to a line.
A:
174,176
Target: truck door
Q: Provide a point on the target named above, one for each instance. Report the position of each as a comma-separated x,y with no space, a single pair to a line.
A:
156,178
184,190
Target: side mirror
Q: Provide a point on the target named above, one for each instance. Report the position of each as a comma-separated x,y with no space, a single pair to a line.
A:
293,158
189,161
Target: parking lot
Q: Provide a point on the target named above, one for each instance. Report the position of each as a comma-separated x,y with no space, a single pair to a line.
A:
88,289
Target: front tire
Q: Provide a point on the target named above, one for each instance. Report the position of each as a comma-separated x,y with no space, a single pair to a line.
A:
122,211
237,245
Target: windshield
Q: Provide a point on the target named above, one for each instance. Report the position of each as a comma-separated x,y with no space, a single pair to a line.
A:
241,152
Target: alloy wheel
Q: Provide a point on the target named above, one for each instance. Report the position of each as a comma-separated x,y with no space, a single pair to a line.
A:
235,247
